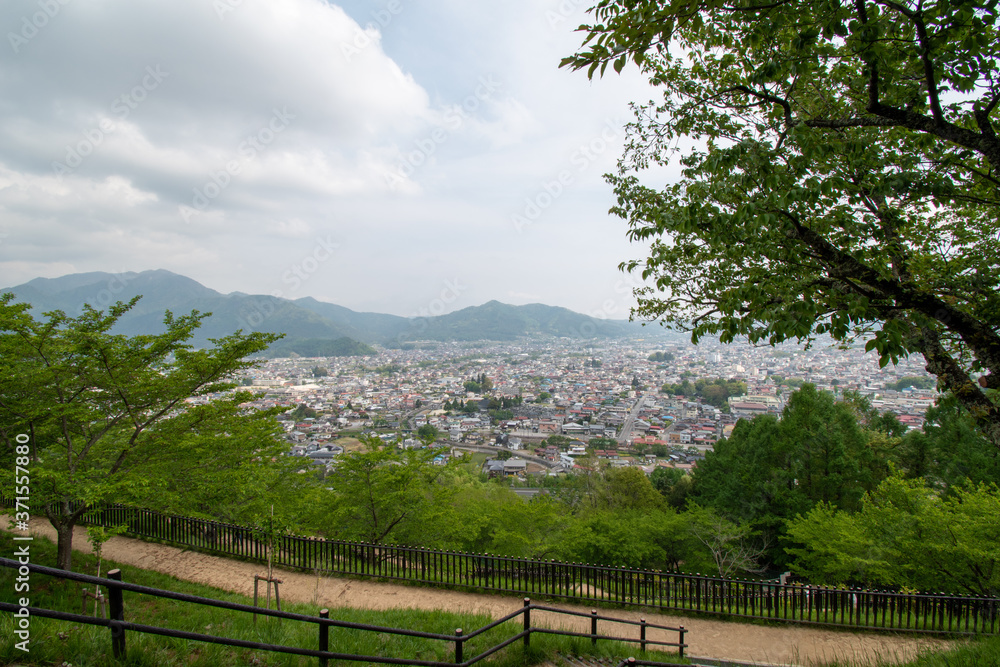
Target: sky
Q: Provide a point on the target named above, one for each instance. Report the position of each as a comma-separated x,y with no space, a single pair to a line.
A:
390,156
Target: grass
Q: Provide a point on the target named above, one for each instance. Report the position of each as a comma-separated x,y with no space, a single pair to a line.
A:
984,652
55,642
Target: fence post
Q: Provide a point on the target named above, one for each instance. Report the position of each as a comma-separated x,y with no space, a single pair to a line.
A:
458,646
324,636
642,635
527,622
680,649
593,627
117,614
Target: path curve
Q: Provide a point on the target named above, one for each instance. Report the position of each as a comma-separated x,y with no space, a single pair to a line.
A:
781,645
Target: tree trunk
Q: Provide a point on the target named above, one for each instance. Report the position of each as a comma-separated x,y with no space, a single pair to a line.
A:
64,558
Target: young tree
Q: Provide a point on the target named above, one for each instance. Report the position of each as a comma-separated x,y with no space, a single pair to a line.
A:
841,180
731,546
101,411
381,494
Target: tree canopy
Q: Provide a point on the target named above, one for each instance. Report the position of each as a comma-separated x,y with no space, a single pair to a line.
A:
114,418
906,535
383,494
838,176
768,470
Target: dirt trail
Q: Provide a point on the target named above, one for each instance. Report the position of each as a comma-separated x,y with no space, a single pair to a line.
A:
782,645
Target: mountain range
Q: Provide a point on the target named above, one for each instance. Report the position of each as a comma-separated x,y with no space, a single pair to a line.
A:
311,327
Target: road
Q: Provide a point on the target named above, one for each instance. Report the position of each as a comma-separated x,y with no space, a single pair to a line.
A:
633,414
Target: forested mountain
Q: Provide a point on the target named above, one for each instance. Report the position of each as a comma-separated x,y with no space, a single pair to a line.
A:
307,323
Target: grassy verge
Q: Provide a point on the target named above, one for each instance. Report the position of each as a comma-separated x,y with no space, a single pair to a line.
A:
54,642
983,652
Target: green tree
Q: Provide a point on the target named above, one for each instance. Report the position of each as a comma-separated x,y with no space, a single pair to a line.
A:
101,411
428,433
382,494
493,519
302,411
906,535
673,484
841,180
625,488
628,537
915,381
948,451
769,471
732,547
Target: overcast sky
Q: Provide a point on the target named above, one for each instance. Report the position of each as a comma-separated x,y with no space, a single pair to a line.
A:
396,156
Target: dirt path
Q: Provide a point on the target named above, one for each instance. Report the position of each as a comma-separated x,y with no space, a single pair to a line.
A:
784,645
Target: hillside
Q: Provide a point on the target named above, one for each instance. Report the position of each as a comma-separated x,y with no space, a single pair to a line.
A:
308,324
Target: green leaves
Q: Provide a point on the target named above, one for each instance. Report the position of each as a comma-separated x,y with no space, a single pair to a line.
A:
104,409
827,190
382,493
906,535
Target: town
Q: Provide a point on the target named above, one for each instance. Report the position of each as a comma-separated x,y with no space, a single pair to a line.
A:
544,406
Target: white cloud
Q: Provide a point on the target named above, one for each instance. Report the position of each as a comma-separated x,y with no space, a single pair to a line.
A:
412,137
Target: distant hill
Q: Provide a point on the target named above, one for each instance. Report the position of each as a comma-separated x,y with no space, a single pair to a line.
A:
501,322
374,326
309,325
320,347
162,290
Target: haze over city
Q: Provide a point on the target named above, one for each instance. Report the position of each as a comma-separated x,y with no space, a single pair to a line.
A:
379,155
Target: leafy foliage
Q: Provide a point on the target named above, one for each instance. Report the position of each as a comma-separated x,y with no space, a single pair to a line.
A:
841,175
114,418
714,392
383,494
768,470
949,451
906,535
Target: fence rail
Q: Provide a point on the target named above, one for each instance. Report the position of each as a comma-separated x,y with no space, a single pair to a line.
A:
855,608
119,626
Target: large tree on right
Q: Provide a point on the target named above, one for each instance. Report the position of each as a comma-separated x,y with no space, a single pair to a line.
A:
839,174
